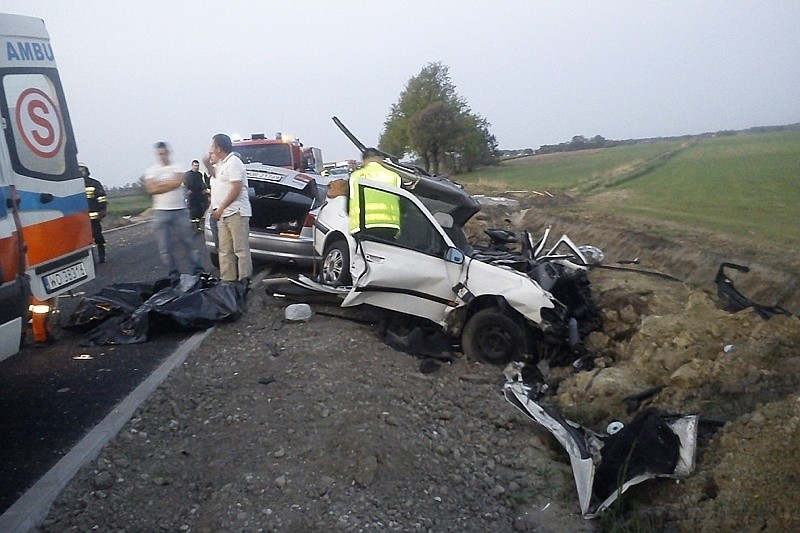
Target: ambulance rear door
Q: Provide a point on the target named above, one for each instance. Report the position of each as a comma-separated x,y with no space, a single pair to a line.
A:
40,159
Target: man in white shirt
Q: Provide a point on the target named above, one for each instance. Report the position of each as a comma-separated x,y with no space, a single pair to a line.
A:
230,207
164,182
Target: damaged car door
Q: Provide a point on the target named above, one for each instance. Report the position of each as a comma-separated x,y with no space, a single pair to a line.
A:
412,269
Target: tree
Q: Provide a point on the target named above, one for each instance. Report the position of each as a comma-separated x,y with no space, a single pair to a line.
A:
476,144
598,141
432,132
432,122
578,142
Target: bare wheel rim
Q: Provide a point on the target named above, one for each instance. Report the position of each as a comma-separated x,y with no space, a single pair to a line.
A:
334,263
495,342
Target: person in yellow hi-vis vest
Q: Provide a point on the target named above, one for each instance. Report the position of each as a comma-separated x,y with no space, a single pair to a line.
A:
381,209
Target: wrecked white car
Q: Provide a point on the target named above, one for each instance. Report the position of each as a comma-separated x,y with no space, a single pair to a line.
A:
500,306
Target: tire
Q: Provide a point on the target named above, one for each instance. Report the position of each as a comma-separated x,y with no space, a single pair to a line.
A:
493,337
214,259
336,264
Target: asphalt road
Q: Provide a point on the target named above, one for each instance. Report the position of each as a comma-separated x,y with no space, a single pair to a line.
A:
50,397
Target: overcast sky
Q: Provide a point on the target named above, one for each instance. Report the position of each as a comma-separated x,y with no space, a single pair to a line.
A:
539,72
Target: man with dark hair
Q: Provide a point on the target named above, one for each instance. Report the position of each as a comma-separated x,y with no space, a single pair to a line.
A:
195,182
164,181
230,208
96,196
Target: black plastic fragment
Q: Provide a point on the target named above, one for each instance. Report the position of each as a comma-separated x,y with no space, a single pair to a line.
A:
735,301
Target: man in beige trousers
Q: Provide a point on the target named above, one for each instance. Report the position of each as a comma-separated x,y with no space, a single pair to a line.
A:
230,208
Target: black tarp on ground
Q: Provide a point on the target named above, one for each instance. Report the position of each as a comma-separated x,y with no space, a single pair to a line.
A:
128,313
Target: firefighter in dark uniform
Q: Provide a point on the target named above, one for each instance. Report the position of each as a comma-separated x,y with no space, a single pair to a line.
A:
96,196
198,197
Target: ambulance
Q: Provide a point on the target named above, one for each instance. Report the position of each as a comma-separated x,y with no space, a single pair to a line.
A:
45,232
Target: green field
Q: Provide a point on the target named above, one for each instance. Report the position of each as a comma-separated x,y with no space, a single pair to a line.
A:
741,185
120,206
748,184
570,170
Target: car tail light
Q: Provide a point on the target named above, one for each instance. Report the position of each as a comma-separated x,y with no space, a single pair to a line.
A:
309,221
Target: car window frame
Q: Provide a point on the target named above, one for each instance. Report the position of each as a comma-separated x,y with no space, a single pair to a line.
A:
365,235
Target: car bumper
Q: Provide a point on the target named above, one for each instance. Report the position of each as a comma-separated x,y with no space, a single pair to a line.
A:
278,248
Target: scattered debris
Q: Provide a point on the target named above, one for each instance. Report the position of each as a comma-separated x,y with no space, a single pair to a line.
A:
498,200
298,313
437,436
735,301
634,401
653,444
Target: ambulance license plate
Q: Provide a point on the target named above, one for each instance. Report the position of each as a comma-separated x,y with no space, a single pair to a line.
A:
65,276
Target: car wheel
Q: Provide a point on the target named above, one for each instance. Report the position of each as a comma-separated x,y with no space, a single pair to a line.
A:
493,337
214,259
336,264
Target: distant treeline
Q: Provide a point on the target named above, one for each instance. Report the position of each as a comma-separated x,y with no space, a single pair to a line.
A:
579,142
134,188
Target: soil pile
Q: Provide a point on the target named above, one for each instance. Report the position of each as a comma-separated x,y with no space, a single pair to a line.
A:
320,426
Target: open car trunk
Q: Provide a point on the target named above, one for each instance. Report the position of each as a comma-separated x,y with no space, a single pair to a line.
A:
281,208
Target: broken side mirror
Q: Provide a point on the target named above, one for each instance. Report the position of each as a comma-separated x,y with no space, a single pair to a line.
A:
454,255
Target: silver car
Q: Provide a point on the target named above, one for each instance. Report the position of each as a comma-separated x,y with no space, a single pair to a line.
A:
341,173
285,205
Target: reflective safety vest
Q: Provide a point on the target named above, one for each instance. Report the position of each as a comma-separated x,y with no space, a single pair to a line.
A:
381,209
96,197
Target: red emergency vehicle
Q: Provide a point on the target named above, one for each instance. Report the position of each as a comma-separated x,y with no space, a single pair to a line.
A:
282,151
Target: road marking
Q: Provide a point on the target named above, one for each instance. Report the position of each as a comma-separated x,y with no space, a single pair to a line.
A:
32,507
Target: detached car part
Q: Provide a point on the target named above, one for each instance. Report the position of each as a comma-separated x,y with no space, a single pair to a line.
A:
736,301
653,444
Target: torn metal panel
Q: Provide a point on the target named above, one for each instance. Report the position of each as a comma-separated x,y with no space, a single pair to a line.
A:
308,283
520,291
653,444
